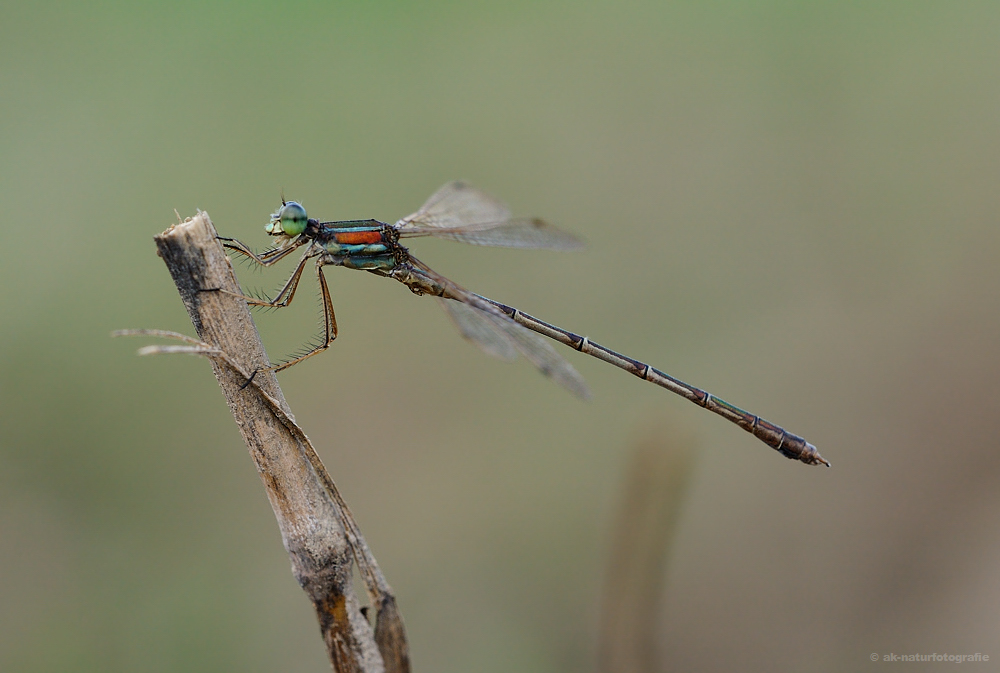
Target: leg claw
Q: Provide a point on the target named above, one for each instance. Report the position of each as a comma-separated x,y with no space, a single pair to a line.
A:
250,380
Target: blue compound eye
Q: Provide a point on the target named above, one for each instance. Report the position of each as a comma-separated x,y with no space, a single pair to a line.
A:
290,220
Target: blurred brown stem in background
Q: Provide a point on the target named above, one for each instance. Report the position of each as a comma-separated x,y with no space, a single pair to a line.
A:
317,528
655,485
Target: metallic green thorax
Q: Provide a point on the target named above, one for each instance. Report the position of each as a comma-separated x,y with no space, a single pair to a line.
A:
368,245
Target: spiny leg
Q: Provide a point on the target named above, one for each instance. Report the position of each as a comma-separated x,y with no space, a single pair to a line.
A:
329,322
287,293
266,258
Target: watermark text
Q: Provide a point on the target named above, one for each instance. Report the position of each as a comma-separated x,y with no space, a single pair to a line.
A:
952,658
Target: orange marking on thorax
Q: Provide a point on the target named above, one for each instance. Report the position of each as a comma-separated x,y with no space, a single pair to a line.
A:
358,237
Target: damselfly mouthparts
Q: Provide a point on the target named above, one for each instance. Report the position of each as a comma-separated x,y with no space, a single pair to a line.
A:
462,213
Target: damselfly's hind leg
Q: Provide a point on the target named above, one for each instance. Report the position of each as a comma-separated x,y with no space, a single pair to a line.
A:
329,319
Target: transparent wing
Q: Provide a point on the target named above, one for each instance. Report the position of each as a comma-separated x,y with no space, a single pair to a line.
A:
495,333
460,212
481,331
501,337
456,205
518,233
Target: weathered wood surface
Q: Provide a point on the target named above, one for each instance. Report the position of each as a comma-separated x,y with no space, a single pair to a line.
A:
316,526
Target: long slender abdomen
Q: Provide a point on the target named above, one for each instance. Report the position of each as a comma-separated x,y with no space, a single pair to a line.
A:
786,443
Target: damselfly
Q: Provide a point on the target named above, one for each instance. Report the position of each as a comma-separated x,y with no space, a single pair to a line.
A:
462,213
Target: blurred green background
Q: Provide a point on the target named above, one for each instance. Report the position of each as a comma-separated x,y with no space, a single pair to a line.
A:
790,204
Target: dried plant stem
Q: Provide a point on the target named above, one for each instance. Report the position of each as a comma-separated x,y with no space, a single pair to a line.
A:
655,485
317,528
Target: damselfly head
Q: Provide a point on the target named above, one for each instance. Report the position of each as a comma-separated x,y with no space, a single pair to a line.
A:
290,220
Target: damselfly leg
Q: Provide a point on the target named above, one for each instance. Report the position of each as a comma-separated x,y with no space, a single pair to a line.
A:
287,293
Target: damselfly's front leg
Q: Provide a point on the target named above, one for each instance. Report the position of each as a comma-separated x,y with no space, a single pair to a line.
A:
266,258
